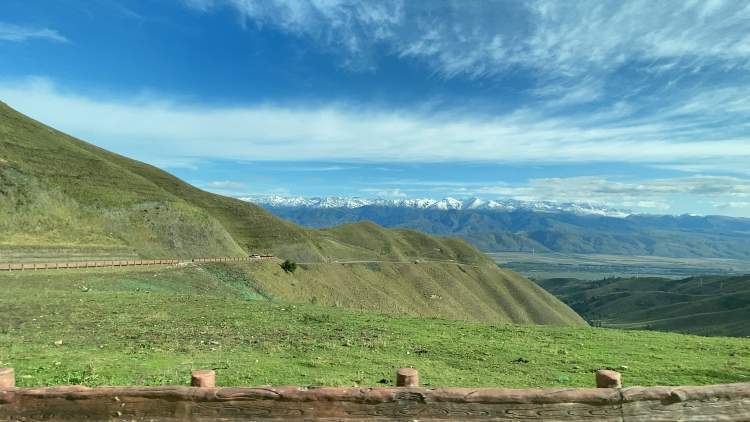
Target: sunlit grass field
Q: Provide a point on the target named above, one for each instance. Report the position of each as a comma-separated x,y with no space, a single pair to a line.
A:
151,326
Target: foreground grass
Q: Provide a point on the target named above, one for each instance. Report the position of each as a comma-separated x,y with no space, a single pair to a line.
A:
151,327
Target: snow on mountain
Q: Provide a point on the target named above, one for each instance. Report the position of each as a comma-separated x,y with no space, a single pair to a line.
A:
442,204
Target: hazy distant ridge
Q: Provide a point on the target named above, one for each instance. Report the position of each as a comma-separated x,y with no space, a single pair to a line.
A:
509,225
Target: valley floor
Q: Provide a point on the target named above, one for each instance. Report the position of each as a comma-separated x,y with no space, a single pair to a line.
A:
705,305
151,326
540,266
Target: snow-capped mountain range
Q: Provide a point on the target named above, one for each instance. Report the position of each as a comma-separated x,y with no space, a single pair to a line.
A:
437,204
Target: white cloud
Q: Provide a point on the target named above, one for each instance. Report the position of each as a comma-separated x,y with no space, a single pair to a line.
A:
161,128
574,52
701,193
225,185
563,94
16,33
653,195
338,25
654,205
174,162
738,205
576,36
556,38
167,133
385,193
323,168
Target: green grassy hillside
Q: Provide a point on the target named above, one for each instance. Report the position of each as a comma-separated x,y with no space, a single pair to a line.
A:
140,325
62,198
711,306
434,290
60,190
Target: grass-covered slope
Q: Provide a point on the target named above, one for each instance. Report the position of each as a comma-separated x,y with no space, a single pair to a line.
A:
59,190
433,290
712,306
135,326
62,198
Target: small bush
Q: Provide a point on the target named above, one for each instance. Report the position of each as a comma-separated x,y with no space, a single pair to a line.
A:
289,266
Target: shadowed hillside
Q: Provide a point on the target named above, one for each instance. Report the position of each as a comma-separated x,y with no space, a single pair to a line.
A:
62,197
713,306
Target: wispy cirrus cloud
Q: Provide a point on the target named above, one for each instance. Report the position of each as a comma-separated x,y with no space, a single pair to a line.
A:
592,52
350,26
552,37
17,33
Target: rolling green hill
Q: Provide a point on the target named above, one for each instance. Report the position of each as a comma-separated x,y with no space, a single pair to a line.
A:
59,190
711,306
152,326
61,197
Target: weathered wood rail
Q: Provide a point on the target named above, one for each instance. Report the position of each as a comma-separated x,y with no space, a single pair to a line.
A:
711,403
205,402
121,263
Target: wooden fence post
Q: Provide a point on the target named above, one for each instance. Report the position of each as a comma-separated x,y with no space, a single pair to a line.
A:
7,378
407,377
608,379
203,378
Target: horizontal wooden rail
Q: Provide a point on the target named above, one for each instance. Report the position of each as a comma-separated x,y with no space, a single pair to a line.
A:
123,263
205,402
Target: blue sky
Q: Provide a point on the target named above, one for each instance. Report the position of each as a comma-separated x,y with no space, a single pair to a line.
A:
638,104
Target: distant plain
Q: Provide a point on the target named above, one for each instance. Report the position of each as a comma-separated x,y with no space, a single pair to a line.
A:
540,266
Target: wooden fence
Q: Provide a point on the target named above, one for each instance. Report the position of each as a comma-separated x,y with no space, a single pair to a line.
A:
408,402
122,263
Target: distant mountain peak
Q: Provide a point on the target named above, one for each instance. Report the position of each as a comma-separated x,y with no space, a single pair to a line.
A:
438,204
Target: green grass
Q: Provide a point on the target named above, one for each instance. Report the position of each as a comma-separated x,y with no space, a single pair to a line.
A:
64,253
151,326
439,290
